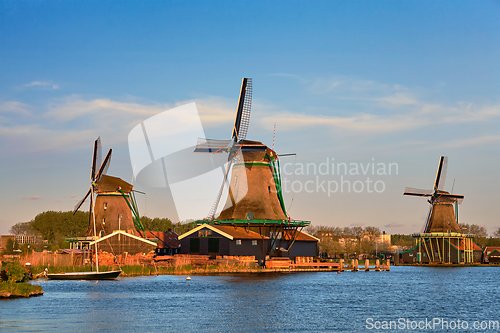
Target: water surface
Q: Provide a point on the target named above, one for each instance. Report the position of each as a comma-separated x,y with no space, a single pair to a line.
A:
300,302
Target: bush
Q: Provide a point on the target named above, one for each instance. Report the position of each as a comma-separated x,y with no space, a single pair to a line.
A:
13,271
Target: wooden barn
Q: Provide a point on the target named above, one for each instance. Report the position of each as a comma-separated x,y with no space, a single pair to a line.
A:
492,255
225,240
168,243
216,240
120,241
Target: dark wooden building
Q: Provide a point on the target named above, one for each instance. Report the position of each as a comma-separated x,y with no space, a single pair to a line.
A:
120,241
492,255
218,240
168,242
222,240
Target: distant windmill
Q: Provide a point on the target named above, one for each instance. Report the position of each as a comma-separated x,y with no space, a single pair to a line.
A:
442,216
112,208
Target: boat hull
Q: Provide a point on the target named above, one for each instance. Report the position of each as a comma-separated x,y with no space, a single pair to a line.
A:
110,275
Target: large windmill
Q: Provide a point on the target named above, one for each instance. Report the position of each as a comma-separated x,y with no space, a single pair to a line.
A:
441,239
443,216
254,196
112,208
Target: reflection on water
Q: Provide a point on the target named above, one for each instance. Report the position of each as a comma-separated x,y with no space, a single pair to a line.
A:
302,302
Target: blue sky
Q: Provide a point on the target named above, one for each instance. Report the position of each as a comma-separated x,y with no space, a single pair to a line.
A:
360,81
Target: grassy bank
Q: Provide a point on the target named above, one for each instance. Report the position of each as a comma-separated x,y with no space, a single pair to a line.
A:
144,270
19,289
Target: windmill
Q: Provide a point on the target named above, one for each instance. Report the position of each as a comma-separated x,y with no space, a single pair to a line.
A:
113,207
442,216
254,197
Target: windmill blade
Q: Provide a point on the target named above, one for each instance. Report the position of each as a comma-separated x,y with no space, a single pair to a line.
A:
96,158
242,118
80,203
91,209
428,219
441,173
453,196
211,145
213,210
417,192
104,166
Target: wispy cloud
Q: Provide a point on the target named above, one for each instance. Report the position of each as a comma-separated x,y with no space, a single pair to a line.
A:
42,85
394,225
14,107
366,122
35,197
357,225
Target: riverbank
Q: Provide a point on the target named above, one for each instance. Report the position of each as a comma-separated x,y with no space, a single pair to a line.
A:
19,289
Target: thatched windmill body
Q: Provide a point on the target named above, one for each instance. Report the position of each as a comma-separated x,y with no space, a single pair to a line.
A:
254,195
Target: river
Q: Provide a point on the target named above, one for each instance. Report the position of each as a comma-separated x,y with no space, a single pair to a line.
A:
299,302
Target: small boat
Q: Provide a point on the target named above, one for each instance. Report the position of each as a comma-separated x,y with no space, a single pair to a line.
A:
109,275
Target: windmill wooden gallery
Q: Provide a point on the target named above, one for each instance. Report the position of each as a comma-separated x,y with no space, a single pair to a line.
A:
253,221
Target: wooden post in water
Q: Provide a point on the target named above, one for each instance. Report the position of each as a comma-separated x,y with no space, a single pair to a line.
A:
356,263
388,265
341,265
377,265
352,265
367,265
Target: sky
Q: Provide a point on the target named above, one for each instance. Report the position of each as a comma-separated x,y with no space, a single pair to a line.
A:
385,87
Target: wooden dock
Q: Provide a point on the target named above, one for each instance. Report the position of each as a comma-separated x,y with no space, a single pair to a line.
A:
283,264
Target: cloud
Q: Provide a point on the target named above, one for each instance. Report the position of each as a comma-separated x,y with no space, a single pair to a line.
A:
365,122
70,123
14,107
42,84
393,225
357,225
35,197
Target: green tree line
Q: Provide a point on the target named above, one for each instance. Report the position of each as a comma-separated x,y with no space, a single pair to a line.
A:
55,227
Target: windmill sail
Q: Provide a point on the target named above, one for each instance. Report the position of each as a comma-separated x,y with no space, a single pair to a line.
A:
242,119
441,173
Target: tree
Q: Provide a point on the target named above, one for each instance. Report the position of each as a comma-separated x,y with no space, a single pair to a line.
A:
372,233
156,224
402,240
479,232
55,226
22,228
496,233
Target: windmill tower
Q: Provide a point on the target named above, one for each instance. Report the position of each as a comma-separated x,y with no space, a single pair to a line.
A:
254,198
113,207
441,231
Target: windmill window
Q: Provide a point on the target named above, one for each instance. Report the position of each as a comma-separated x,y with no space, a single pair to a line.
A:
238,242
269,189
254,242
105,205
410,254
104,221
101,234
